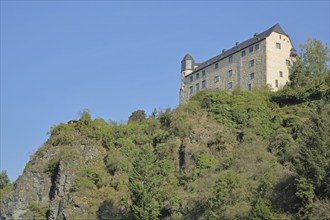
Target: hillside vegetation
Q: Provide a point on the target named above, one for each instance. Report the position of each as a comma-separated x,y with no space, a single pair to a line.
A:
246,155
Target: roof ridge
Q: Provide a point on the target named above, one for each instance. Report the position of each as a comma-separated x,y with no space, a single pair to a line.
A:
277,28
256,38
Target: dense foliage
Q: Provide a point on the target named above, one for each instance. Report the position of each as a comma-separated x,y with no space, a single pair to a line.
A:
245,155
5,185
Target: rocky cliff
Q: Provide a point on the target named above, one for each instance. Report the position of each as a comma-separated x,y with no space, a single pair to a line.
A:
45,189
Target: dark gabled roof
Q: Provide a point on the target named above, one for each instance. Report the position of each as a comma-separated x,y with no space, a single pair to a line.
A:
276,28
256,38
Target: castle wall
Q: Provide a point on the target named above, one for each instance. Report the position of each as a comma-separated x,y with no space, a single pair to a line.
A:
258,69
266,61
184,95
236,72
276,60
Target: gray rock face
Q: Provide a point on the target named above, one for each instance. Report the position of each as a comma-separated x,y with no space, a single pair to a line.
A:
62,184
31,186
48,182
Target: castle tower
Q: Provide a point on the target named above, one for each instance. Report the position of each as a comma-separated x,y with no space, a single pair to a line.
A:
187,67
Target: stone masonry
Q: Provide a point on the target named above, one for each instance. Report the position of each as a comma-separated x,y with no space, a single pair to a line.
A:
264,59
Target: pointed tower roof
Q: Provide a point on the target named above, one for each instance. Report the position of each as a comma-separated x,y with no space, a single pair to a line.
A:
187,57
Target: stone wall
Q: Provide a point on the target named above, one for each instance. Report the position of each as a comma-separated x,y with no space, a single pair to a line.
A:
268,60
220,78
276,59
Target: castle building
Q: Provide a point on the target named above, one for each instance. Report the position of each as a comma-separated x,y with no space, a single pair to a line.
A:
263,59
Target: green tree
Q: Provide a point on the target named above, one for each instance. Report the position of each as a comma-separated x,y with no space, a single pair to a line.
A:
309,76
312,161
4,180
5,186
223,194
297,74
261,210
137,117
305,193
85,117
314,56
165,118
144,183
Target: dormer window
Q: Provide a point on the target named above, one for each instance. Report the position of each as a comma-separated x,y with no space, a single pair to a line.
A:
187,63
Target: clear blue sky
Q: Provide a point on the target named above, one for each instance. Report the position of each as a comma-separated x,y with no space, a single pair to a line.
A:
113,57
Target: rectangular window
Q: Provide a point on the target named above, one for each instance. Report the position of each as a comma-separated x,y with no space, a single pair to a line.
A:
197,75
278,45
230,73
191,78
229,85
256,47
251,63
203,84
216,66
197,87
281,74
191,88
230,59
249,87
250,49
216,79
276,83
251,75
243,53
288,63
203,73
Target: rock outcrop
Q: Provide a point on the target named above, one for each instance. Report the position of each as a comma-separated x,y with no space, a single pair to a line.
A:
45,189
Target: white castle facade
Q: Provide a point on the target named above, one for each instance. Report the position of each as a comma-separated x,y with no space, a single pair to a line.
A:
263,59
